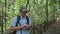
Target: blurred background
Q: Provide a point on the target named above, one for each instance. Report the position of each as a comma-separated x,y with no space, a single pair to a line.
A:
44,14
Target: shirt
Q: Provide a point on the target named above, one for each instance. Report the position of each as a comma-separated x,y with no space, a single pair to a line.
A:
22,21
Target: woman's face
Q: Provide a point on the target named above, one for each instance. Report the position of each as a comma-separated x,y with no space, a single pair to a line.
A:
23,13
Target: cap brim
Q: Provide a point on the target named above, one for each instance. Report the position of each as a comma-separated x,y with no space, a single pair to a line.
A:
25,10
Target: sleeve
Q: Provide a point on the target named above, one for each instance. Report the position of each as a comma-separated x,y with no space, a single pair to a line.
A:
14,21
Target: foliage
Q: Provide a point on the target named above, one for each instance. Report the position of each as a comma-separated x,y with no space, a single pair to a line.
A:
37,10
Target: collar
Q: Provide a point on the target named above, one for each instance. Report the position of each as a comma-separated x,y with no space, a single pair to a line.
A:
23,17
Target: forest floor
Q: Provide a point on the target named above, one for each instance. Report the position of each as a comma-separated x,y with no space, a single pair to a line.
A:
55,28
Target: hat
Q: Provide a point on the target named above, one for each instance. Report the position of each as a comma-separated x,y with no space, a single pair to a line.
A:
23,8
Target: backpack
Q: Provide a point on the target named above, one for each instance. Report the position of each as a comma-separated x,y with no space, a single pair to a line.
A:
18,19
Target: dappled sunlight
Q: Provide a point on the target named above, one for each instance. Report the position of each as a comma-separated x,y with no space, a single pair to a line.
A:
44,15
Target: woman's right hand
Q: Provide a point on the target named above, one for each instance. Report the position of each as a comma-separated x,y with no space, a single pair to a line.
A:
25,25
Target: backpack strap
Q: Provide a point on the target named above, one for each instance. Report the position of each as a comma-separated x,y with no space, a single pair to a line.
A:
18,19
27,18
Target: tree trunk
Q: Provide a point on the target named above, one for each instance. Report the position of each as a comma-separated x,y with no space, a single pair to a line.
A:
46,14
54,12
59,4
5,14
27,3
2,23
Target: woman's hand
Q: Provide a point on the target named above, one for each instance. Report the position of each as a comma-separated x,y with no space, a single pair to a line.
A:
26,25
